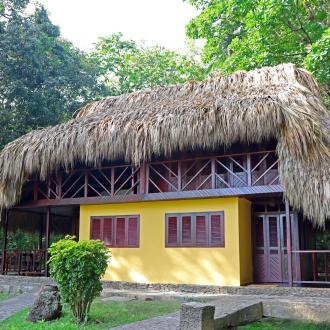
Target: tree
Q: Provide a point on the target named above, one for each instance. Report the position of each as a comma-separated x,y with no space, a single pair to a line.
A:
43,78
246,34
77,268
126,66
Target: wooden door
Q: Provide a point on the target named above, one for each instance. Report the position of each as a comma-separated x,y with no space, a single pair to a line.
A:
268,248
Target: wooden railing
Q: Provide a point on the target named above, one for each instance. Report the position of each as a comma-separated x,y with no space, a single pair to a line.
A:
217,172
27,262
228,171
314,266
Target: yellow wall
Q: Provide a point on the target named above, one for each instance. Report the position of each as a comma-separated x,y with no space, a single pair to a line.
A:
153,263
245,241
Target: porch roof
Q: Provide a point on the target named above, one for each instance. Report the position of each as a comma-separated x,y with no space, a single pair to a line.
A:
281,102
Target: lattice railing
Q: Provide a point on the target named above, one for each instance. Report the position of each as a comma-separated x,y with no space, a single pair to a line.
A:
216,172
227,171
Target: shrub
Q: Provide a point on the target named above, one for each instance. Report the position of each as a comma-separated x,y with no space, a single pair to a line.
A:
77,267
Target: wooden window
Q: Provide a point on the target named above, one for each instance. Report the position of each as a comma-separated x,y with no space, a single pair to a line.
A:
117,231
195,229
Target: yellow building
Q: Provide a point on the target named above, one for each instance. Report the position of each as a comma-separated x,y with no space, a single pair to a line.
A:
152,262
188,184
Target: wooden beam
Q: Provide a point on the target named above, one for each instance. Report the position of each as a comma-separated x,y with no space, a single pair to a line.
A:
213,173
5,218
288,242
248,167
143,182
41,231
47,239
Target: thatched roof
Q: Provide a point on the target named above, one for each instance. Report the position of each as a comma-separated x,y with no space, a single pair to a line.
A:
280,102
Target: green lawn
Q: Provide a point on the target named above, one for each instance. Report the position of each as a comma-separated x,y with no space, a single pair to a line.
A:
276,324
4,296
104,315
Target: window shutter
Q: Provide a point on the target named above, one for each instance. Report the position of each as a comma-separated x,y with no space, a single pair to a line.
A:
120,232
172,230
186,230
217,235
96,228
133,232
201,230
107,231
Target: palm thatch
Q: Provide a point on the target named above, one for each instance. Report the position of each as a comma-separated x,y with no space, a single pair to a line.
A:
281,102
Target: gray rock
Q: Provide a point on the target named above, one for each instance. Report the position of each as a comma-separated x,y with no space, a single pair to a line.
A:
47,306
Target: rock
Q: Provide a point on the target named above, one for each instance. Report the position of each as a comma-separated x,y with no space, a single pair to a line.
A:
47,306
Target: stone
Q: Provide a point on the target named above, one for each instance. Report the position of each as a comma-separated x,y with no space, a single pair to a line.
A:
312,310
118,298
47,305
197,316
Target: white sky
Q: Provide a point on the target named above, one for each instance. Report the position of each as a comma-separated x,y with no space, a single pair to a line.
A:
159,22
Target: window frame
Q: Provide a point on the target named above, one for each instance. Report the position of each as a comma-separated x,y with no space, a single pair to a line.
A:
114,227
193,243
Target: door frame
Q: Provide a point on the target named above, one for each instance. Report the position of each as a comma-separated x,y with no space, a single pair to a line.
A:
261,262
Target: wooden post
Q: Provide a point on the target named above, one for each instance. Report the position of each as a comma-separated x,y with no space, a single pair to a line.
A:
288,242
47,239
41,231
248,168
143,179
4,242
179,175
112,181
85,183
213,171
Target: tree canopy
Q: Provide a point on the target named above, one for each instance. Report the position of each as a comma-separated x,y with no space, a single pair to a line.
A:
126,66
246,34
43,78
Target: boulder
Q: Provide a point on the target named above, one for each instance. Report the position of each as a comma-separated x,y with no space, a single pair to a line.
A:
47,306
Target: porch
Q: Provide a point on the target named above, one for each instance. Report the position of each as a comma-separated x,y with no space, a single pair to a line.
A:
27,233
290,253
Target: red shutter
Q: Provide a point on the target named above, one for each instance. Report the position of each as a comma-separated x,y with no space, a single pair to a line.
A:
172,230
120,232
107,231
96,228
186,230
201,231
133,232
216,228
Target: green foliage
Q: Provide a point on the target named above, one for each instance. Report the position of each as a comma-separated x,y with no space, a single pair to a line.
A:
77,267
318,59
20,240
23,240
246,34
126,66
43,77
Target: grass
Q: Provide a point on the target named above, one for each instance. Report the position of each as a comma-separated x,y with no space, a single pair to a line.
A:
103,315
5,295
276,324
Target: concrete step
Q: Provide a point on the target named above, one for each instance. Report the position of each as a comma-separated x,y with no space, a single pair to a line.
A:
231,312
312,309
157,295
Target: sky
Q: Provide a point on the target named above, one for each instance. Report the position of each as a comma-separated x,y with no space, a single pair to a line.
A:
160,22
